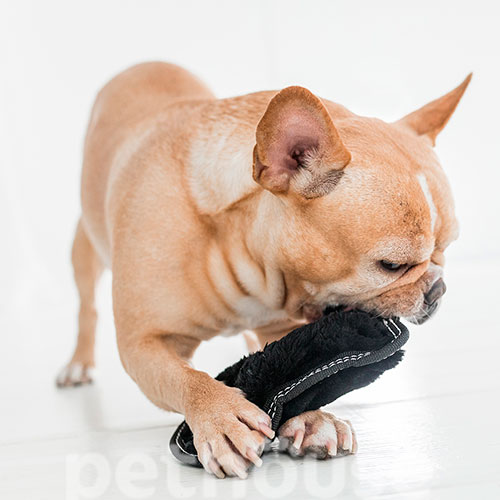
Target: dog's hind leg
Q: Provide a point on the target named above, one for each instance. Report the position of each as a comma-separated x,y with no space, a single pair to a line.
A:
87,269
252,341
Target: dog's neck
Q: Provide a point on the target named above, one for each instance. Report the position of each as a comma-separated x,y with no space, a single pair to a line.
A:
250,244
219,173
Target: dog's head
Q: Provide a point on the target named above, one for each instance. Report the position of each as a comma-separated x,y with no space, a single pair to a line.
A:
368,209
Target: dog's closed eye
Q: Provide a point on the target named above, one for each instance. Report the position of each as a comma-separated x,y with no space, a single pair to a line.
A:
387,265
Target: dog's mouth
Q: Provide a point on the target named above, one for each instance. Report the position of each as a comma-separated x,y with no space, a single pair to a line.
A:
422,316
313,313
417,319
343,308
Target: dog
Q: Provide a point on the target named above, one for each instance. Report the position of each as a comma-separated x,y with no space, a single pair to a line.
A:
249,214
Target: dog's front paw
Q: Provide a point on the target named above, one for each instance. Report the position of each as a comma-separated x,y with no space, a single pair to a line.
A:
317,433
75,374
230,434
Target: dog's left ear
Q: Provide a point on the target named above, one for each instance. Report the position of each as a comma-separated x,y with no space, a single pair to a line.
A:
298,148
431,118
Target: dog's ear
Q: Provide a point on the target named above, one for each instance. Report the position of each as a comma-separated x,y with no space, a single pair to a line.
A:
298,148
431,118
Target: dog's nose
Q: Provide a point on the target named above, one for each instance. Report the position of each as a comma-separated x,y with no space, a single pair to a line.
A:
435,293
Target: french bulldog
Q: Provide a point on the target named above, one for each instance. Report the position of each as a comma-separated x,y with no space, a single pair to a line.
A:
249,214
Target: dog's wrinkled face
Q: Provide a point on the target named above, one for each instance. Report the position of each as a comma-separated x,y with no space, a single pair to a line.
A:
369,209
390,225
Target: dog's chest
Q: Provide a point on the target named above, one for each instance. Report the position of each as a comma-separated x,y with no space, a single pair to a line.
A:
253,314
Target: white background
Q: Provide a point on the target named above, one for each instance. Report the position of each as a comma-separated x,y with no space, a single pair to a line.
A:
380,58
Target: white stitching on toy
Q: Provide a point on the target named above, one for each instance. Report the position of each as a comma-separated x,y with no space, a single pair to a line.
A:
286,390
386,324
353,357
397,327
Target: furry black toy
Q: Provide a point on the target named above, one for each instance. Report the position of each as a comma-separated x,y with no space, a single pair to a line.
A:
310,367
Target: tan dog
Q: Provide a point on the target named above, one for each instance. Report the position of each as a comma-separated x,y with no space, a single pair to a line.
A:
249,213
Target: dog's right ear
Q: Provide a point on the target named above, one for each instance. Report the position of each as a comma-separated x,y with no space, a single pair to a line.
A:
298,147
429,120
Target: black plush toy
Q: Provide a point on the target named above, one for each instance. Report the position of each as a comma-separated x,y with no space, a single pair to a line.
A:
310,367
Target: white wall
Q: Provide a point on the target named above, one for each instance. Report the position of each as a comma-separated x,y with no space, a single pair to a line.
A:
381,58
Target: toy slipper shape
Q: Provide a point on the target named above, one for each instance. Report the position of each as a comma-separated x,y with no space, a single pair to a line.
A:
310,367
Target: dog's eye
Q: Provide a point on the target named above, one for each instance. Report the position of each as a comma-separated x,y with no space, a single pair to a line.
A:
391,266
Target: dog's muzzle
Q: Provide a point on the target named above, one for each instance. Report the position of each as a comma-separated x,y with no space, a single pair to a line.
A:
431,302
435,293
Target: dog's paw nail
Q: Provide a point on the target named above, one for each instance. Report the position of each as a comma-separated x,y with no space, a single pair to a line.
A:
218,473
347,442
267,431
254,458
331,448
299,437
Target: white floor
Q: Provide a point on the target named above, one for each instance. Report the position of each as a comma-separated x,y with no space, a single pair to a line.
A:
428,429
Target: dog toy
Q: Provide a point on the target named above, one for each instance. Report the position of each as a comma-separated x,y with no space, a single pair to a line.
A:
310,367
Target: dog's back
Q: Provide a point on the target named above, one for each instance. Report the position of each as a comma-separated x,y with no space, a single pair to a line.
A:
124,110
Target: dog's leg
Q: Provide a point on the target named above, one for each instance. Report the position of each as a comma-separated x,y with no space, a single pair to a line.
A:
317,433
263,336
252,341
87,269
229,431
